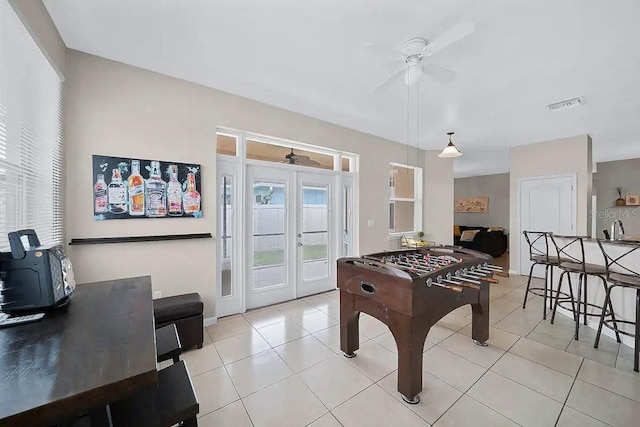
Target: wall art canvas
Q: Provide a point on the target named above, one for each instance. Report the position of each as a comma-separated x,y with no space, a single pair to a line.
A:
472,205
633,200
137,188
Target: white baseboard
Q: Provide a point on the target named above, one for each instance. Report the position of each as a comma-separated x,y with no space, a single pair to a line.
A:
513,273
593,324
210,321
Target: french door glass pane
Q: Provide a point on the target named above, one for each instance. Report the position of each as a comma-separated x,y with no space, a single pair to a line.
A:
227,234
268,233
346,234
315,234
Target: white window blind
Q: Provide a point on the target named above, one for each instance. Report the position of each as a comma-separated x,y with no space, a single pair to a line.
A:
30,135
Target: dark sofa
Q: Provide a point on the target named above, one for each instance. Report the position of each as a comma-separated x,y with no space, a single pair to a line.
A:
493,243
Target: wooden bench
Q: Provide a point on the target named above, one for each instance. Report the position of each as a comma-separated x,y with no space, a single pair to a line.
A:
185,311
173,401
168,344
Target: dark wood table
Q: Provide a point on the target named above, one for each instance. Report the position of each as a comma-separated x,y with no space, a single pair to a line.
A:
97,349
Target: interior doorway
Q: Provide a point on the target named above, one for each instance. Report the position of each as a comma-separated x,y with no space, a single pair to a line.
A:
546,203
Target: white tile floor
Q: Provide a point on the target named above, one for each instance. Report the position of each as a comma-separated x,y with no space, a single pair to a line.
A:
282,366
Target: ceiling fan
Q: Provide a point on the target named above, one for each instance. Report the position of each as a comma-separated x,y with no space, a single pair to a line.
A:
299,159
413,55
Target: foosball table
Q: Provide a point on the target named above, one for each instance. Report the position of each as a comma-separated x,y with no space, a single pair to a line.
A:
410,291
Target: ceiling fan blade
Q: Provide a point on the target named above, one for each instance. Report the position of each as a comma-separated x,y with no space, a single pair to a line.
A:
452,35
389,80
307,162
438,73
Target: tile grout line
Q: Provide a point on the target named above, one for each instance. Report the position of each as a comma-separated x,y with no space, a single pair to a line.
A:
234,387
475,382
569,394
294,373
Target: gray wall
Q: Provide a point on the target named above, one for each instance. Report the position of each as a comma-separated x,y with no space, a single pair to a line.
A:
609,175
496,187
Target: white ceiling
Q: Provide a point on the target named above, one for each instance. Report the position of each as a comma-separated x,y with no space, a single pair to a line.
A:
307,56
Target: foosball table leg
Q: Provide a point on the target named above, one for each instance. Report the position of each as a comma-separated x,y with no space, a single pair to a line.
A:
480,319
349,330
410,336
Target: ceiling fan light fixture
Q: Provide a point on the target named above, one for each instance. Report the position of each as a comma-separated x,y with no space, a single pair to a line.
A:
450,151
412,75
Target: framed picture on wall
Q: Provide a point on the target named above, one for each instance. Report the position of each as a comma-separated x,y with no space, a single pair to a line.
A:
633,200
472,205
126,188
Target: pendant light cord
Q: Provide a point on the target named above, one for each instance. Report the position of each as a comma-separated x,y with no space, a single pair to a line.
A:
419,161
408,119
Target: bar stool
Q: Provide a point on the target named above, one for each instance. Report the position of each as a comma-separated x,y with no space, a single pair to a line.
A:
570,250
619,273
538,242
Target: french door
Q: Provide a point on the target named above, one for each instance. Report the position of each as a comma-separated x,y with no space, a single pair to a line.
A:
290,234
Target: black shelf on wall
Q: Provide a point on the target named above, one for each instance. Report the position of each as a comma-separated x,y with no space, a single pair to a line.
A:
135,239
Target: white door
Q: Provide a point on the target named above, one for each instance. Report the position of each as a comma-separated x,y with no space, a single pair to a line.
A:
315,265
546,204
270,241
291,230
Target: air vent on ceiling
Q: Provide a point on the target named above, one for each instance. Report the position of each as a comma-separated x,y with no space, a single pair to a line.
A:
567,103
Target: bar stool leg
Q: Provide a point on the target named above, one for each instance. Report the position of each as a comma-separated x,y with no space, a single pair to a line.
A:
636,348
573,301
526,293
607,301
546,287
579,299
551,288
607,305
584,313
555,306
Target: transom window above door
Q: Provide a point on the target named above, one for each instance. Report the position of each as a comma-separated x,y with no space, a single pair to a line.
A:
269,149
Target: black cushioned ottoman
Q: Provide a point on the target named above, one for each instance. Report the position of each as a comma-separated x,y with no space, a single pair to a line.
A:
185,311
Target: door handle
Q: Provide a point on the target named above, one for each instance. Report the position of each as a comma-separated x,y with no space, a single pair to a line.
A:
299,235
299,243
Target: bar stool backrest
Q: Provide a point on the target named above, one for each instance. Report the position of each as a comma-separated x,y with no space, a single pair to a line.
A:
570,249
538,242
617,257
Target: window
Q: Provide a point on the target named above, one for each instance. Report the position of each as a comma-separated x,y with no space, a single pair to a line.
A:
227,144
269,149
405,199
30,135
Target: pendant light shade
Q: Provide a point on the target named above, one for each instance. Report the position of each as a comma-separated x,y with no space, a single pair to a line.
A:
450,150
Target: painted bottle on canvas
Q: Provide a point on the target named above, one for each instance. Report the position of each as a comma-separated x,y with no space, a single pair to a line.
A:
100,195
156,197
136,190
117,193
191,196
174,192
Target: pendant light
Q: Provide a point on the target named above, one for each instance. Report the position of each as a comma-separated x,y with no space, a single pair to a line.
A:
450,150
